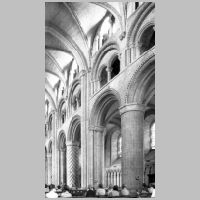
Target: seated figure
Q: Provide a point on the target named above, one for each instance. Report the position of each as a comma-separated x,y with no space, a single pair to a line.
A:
52,193
90,192
124,191
65,193
114,192
152,190
100,191
110,189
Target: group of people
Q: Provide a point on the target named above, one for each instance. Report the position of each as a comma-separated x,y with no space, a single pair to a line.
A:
53,192
112,191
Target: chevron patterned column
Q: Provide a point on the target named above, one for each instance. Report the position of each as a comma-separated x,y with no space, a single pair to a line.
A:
72,164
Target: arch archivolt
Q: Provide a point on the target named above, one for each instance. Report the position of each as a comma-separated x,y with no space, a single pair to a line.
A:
112,45
60,104
149,94
100,71
61,140
139,17
74,96
142,29
75,122
141,75
102,101
61,107
112,58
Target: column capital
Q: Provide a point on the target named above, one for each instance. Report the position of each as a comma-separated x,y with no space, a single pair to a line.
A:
132,107
82,73
70,143
97,128
62,149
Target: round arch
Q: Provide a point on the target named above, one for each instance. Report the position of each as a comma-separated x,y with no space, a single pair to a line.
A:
112,45
145,39
74,124
102,75
135,24
75,84
141,81
62,157
102,103
60,107
61,140
114,65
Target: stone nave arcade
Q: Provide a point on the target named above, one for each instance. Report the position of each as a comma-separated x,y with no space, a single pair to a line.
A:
100,93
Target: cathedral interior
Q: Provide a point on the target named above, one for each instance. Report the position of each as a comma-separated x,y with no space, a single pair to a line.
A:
100,93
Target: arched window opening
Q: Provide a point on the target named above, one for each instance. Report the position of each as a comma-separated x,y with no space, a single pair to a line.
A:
50,123
115,68
74,103
148,39
63,116
119,147
153,136
46,130
103,77
152,40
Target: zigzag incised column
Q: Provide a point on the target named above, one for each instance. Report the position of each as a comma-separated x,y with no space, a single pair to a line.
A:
72,164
